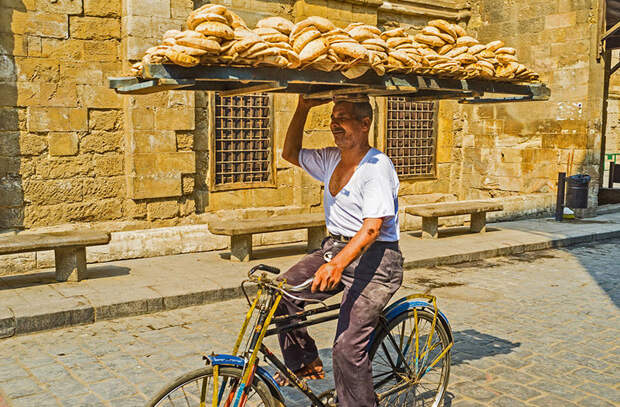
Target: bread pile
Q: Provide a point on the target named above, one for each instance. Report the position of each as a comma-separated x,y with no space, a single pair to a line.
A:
370,38
217,36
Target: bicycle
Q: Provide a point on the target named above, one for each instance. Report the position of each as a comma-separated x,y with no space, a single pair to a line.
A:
410,363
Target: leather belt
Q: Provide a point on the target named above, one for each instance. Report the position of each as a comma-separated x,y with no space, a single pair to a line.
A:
340,238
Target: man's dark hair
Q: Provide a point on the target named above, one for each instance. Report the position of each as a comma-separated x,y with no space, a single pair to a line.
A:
362,109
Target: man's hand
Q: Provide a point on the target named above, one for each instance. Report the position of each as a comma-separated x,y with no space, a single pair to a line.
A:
307,104
327,278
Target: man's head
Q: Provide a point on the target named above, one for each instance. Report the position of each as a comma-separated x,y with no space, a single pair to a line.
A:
350,123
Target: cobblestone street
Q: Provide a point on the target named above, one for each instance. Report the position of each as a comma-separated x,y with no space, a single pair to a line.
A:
538,329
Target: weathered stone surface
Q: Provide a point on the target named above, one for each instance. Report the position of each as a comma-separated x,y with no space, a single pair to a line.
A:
96,28
98,97
57,119
59,6
104,187
108,164
64,167
153,186
164,163
52,192
160,8
154,141
63,144
101,142
103,9
188,184
162,209
105,119
175,119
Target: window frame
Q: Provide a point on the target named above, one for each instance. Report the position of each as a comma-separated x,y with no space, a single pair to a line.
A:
271,183
435,127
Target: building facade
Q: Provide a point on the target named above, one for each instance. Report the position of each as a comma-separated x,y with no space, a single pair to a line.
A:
153,169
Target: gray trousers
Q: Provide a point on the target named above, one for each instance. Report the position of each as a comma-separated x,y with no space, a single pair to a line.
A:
368,284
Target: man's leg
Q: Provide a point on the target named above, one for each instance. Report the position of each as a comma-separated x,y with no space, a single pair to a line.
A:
298,347
371,281
352,368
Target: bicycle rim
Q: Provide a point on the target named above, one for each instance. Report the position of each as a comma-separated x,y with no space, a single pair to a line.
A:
391,372
198,386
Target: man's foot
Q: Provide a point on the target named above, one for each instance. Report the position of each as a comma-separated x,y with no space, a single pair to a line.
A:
312,371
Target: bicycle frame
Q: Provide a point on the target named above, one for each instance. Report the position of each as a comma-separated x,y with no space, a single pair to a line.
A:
267,308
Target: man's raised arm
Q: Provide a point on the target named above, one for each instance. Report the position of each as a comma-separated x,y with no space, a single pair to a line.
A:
295,132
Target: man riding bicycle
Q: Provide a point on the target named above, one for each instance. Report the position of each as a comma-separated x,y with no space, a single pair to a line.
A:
361,257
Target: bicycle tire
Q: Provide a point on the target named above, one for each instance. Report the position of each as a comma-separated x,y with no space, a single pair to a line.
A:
382,345
176,393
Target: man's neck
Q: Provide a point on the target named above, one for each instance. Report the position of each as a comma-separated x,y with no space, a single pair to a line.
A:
353,156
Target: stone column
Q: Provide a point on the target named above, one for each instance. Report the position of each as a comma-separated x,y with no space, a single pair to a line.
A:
158,154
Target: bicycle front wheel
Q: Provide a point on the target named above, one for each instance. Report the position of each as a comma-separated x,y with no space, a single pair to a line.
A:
197,387
408,369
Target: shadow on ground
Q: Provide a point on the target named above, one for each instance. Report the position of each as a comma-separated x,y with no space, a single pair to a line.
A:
49,277
469,344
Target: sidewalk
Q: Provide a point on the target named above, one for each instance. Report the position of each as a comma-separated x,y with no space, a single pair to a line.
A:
35,302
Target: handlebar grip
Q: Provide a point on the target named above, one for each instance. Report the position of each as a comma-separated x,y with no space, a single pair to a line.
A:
270,269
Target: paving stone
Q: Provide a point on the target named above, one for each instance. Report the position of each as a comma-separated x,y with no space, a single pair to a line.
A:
509,374
11,371
505,401
513,389
39,400
551,401
592,401
86,400
474,391
113,388
561,390
66,388
602,391
20,387
91,374
49,373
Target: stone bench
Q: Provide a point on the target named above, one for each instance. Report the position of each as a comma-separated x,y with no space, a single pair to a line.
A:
69,249
241,231
430,214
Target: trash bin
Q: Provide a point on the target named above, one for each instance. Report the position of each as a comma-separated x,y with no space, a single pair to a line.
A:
577,191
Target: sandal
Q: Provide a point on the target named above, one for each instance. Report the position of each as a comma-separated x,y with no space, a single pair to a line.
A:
312,371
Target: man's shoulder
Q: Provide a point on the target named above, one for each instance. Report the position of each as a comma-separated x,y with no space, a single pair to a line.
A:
380,158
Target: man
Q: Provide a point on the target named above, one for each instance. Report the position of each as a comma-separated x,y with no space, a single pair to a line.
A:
360,257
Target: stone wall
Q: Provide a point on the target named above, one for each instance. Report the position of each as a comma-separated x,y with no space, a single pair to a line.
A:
61,146
511,149
74,154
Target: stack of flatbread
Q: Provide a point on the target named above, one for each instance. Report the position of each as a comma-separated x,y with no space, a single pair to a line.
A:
275,31
370,38
403,53
308,42
216,36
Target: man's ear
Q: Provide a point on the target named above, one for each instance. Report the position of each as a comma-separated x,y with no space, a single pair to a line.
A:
366,122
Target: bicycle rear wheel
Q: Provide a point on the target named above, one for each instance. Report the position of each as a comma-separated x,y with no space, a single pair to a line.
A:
196,386
401,378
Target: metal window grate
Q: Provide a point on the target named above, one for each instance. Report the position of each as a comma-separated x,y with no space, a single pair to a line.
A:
410,136
242,141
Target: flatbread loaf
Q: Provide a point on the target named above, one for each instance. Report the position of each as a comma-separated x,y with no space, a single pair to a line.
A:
281,24
313,50
216,29
431,40
181,59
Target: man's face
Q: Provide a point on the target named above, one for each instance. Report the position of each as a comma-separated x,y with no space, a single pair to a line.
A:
348,130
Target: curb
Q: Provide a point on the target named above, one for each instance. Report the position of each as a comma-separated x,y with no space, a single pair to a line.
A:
506,251
79,310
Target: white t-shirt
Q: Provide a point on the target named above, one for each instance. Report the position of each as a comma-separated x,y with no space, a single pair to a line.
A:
372,192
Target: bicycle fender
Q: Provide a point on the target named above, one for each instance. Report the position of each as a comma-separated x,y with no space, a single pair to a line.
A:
406,305
236,361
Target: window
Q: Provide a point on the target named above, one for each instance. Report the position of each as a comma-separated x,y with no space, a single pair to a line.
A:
242,146
411,137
